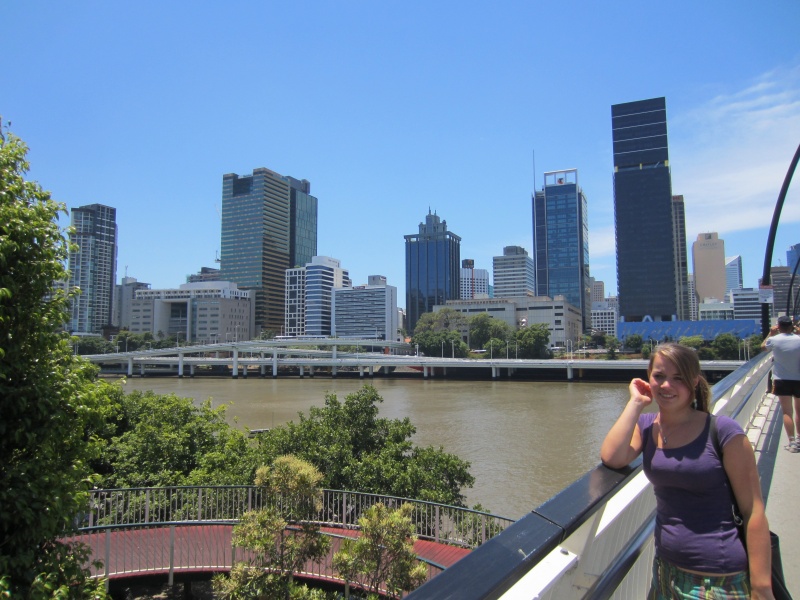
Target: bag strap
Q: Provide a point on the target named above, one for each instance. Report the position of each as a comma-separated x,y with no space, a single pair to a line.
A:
714,435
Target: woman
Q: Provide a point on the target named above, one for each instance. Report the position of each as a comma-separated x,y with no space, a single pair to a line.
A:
698,546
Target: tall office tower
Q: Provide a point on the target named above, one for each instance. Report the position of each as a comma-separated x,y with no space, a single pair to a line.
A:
561,241
694,314
513,273
598,291
780,278
708,264
681,260
792,258
366,311
433,257
733,274
269,224
643,218
746,305
474,282
93,267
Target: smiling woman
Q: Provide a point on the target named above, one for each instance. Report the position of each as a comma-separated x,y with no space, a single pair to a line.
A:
696,479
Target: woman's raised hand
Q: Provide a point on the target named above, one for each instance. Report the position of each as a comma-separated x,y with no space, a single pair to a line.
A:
640,392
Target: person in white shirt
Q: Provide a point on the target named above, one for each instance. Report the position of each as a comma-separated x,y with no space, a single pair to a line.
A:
785,346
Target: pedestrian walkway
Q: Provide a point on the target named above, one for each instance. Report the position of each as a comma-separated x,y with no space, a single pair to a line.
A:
782,494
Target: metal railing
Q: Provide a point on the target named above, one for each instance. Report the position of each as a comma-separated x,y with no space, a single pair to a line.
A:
594,539
181,505
170,530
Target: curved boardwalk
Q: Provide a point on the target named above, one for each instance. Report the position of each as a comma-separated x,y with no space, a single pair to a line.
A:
207,549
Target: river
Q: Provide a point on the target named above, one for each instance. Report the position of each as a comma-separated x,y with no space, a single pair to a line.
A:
525,440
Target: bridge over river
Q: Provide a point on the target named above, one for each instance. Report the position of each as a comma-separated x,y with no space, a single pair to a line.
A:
331,356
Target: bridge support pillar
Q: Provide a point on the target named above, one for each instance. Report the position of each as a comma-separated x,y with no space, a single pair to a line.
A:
302,371
263,368
570,374
372,371
130,367
274,363
235,369
180,364
191,370
424,372
141,369
311,372
360,372
494,373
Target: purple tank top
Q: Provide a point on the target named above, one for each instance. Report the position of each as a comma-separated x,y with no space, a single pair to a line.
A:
694,522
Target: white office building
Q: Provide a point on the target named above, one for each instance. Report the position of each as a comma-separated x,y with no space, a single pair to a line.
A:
513,273
309,296
474,283
366,311
605,317
202,312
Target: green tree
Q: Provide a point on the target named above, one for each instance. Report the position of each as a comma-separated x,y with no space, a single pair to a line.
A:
281,537
692,341
612,345
163,440
706,353
495,348
357,450
50,402
533,341
384,552
726,346
634,342
599,339
93,344
479,330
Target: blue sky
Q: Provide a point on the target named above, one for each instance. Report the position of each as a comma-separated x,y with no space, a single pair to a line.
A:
391,108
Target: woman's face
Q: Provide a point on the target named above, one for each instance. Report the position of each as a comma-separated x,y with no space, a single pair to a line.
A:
669,388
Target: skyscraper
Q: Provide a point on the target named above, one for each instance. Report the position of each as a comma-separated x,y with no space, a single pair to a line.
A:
643,219
433,258
681,260
513,273
269,223
708,264
474,282
561,241
93,267
733,274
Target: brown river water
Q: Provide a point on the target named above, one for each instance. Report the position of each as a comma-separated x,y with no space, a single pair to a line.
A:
525,440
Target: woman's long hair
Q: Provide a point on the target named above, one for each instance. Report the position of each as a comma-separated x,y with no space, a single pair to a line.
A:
688,365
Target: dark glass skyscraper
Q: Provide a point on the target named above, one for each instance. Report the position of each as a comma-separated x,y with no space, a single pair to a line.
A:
646,269
269,223
433,259
561,241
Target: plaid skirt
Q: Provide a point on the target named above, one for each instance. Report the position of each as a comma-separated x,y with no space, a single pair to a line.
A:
672,583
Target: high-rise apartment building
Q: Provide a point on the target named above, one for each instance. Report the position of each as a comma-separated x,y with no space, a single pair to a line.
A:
433,258
269,224
513,273
598,291
646,269
93,267
561,241
681,260
708,264
309,296
366,311
733,274
474,282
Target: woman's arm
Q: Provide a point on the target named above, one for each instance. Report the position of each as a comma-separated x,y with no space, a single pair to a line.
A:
740,466
623,442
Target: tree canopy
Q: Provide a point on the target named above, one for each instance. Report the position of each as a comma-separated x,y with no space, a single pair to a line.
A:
51,405
355,449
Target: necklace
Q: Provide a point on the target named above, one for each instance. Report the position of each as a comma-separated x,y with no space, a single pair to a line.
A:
664,441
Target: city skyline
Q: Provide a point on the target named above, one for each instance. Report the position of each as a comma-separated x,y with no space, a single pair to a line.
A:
388,113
